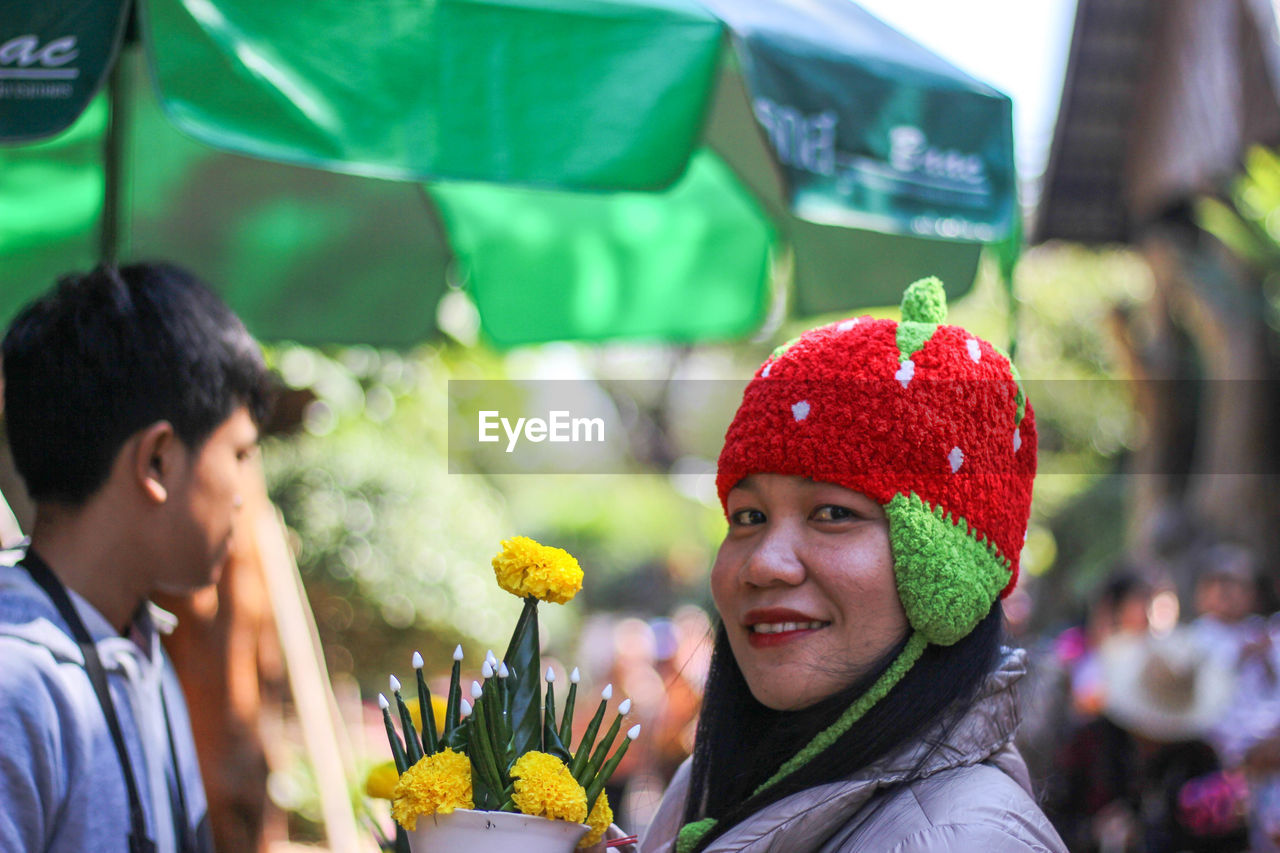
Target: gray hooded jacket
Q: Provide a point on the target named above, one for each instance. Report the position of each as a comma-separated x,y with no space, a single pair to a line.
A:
971,793
61,786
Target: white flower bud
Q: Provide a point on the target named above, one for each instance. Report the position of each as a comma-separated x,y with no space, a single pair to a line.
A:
486,670
417,660
457,653
575,676
551,676
633,733
476,690
625,707
464,709
395,684
382,702
503,672
607,693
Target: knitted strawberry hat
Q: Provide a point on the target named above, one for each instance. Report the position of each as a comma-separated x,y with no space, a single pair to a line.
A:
924,418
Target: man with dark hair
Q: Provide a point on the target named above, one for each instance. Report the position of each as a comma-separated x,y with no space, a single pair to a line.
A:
132,399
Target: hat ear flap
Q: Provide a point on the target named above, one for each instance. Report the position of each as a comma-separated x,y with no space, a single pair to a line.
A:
948,578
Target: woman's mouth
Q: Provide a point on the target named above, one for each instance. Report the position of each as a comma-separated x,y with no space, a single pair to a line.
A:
785,627
772,630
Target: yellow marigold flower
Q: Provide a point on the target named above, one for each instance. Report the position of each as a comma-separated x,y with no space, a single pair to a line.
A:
544,787
526,568
381,781
599,819
438,707
437,783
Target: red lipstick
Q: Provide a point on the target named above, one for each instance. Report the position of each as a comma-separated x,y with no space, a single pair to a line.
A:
773,626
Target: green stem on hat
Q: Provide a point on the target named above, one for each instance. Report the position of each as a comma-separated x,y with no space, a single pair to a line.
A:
455,695
566,722
397,745
589,736
602,779
430,740
602,748
412,746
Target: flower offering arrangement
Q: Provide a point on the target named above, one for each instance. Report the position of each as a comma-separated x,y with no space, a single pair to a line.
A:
503,751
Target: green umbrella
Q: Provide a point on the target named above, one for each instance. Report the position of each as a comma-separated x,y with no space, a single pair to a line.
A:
594,168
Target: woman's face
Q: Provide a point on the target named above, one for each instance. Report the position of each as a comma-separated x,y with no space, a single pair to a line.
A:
804,583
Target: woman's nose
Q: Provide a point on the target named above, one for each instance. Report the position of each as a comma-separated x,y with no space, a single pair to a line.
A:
775,560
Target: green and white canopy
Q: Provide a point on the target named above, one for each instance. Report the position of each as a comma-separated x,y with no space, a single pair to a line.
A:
593,169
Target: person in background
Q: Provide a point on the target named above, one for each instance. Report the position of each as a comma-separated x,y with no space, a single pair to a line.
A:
1120,608
1226,601
1063,691
1141,776
1247,735
132,399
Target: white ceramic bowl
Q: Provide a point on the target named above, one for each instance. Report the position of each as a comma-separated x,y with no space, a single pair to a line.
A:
468,831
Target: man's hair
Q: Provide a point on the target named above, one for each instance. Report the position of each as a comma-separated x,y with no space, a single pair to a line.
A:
109,352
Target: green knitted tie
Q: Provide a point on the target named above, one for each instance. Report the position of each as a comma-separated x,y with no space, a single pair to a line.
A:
692,833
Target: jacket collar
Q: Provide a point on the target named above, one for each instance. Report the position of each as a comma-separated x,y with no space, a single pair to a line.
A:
800,821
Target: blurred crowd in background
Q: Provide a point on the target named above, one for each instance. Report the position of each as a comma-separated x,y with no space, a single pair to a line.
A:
1154,724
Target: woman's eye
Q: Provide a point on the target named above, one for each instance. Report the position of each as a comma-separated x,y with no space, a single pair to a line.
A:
746,517
831,512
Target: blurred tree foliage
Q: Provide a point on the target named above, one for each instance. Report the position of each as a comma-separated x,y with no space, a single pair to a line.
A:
395,550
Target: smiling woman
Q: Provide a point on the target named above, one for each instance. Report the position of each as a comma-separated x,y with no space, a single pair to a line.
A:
877,484
804,583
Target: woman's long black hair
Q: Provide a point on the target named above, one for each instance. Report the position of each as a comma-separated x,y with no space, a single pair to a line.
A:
740,743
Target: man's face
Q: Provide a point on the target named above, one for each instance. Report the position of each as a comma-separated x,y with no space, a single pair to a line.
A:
204,501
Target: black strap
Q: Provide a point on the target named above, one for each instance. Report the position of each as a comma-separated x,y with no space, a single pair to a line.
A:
201,840
40,572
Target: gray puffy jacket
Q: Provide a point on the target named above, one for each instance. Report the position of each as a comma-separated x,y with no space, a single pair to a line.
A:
970,794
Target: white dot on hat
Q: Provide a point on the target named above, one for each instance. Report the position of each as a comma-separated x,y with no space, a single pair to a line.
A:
975,352
768,367
800,410
1017,439
956,458
905,372
847,325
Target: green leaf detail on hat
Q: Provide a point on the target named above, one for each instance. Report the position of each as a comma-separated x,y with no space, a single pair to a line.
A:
924,306
1021,399
948,577
781,349
1022,395
912,337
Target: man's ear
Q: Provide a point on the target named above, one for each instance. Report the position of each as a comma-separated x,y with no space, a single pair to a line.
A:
155,451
